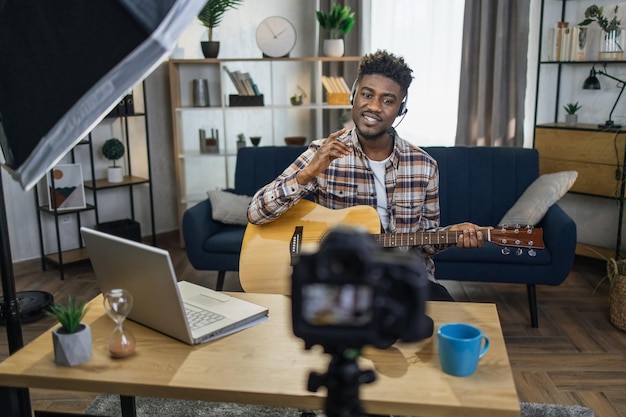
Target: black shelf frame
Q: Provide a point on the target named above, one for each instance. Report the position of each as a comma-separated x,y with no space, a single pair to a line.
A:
96,187
560,65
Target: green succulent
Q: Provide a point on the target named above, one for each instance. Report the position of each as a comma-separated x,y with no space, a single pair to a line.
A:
213,11
339,21
572,108
113,149
68,316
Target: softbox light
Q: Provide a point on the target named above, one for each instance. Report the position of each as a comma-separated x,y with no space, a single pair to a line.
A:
64,64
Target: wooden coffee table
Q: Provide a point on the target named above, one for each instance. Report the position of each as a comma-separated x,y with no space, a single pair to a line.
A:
268,365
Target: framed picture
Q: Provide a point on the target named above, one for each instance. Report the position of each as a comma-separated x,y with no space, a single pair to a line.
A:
66,191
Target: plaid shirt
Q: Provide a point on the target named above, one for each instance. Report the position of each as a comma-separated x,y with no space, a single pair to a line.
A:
411,180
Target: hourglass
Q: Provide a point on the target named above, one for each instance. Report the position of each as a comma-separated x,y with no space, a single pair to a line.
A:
118,303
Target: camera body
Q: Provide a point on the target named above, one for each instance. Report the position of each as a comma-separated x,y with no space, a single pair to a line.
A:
353,293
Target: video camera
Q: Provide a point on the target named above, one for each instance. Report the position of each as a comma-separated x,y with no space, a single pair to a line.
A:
353,293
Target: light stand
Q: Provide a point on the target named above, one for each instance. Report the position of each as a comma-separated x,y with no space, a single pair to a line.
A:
592,83
17,400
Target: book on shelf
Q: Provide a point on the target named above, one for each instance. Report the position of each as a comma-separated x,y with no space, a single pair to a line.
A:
337,90
568,43
243,82
335,84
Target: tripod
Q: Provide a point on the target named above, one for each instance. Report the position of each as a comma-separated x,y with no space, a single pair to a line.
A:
342,381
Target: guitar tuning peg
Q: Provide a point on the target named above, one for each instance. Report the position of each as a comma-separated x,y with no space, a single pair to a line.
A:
506,251
519,251
532,252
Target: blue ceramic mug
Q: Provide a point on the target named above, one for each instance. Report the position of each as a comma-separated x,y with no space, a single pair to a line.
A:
460,347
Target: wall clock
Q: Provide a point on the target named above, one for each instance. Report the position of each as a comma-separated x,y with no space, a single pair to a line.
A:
276,37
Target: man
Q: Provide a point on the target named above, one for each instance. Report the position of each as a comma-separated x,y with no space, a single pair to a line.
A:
370,165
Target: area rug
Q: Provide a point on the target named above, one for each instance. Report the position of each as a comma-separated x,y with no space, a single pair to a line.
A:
109,405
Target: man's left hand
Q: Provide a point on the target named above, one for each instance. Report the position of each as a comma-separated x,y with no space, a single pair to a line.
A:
471,237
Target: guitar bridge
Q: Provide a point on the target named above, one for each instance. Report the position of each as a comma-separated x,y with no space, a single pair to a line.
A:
295,244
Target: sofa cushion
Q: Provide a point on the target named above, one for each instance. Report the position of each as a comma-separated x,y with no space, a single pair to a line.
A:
538,197
229,208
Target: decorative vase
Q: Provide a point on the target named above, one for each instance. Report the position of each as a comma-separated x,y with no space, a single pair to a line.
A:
71,349
571,119
612,45
115,174
200,92
255,140
210,49
333,47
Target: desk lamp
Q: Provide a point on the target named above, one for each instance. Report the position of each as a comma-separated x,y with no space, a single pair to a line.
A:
592,83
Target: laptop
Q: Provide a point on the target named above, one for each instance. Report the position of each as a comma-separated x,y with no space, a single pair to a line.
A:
159,300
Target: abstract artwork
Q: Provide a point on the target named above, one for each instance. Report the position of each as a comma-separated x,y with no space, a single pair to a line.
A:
65,187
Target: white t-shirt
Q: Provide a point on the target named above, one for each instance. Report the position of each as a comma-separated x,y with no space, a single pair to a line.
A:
378,169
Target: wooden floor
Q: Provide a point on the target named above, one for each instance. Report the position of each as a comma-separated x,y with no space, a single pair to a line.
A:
575,356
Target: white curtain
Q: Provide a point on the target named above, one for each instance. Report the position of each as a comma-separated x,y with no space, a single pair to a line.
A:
429,35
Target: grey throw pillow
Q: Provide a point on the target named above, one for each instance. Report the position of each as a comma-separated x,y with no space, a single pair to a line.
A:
534,203
229,208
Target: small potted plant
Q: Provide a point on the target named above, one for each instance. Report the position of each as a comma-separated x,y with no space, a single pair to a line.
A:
571,118
296,98
72,340
211,16
113,149
241,141
338,21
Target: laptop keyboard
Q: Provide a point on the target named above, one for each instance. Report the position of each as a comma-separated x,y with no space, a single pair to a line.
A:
198,317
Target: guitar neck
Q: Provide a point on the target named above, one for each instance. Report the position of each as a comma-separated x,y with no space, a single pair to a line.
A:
442,237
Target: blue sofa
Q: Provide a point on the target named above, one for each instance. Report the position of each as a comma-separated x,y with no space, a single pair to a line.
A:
477,184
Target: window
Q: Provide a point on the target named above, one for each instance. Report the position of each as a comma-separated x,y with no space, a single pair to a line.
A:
428,34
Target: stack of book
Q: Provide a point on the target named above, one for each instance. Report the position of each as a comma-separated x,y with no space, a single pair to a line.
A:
247,91
567,43
337,90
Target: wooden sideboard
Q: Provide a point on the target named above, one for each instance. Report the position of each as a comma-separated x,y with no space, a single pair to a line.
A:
597,155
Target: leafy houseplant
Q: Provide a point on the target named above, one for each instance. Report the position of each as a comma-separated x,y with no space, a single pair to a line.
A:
596,14
211,16
71,341
611,46
338,21
113,149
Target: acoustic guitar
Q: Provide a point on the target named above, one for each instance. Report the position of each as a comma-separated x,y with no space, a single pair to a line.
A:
268,250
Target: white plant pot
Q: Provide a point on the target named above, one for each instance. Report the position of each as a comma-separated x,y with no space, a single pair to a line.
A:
71,349
571,119
115,174
333,47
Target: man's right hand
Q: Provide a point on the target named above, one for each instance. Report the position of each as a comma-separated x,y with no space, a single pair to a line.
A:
331,149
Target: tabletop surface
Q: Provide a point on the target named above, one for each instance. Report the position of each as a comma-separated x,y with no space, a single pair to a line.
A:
267,364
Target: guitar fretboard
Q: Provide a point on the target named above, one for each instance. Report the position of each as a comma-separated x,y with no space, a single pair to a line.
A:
394,240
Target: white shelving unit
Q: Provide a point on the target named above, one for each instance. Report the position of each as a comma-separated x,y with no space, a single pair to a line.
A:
277,80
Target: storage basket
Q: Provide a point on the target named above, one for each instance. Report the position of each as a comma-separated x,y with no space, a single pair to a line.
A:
617,293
